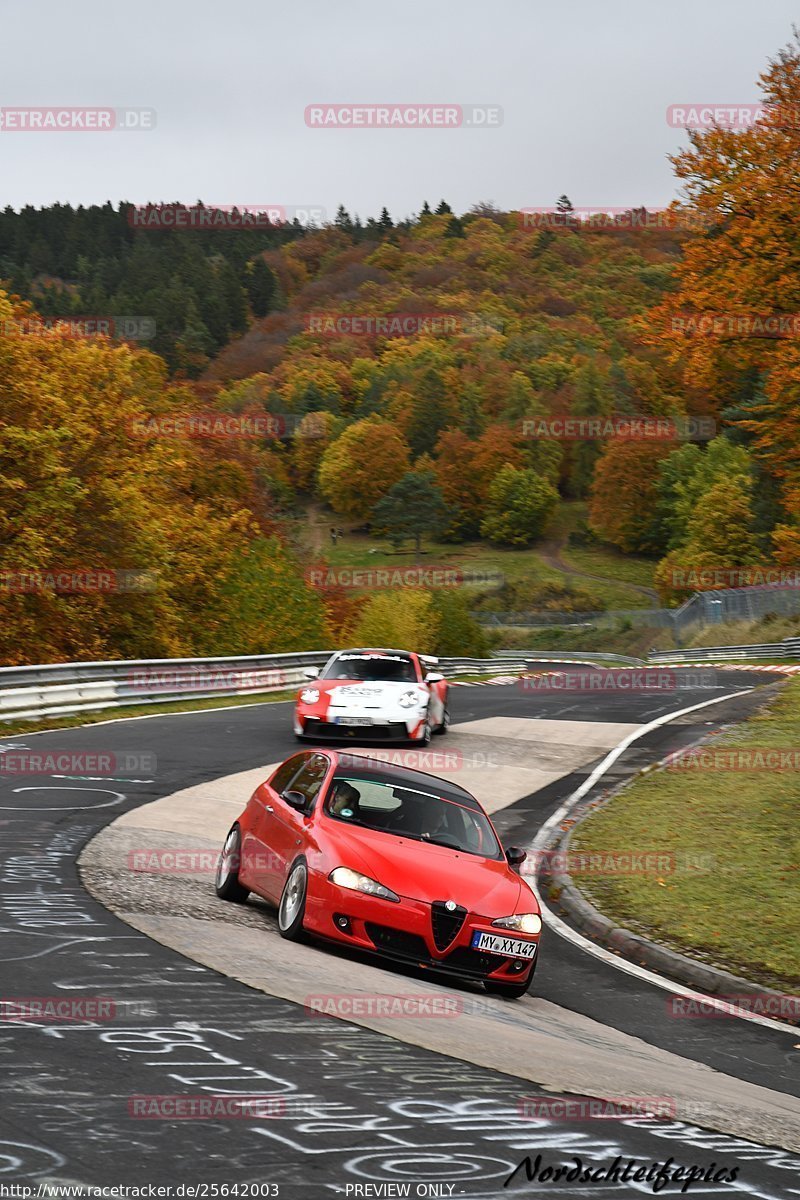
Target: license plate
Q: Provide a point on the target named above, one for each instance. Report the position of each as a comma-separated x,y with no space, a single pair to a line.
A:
511,947
352,721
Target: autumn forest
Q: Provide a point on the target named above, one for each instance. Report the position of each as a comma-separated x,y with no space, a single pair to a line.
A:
404,377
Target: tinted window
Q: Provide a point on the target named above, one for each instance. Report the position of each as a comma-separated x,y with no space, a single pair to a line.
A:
310,778
372,667
283,775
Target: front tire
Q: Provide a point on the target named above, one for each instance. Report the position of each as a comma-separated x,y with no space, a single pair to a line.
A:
226,883
442,729
292,906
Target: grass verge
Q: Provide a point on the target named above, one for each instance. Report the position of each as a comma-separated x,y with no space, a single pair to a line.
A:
733,898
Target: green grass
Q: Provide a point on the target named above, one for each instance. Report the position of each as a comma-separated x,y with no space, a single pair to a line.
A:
599,560
357,550
636,642
362,550
741,910
744,633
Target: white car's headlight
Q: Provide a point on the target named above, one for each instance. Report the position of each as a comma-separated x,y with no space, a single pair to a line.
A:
522,922
309,695
354,881
410,700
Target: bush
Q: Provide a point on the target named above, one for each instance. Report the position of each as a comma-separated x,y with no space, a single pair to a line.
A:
459,633
404,620
519,506
528,595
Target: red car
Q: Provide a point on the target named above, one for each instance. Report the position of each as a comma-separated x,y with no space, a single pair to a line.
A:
388,860
377,694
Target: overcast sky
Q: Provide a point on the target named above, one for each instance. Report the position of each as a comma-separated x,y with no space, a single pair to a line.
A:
584,88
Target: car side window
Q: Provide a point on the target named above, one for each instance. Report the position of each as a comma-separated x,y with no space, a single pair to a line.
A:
309,779
283,776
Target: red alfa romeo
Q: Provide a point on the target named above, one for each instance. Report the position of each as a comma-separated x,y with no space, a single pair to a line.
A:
388,860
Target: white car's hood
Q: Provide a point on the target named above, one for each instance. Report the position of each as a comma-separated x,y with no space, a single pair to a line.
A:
358,697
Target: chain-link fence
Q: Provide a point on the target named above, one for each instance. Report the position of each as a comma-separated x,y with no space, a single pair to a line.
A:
701,610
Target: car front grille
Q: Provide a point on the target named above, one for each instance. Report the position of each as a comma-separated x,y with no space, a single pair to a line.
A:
463,961
376,733
445,923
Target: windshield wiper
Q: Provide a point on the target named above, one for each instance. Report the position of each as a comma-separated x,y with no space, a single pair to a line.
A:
441,842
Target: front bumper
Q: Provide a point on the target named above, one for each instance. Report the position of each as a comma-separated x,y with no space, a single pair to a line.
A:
379,728
404,933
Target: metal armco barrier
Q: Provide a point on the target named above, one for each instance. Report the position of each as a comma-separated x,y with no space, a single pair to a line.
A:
788,648
62,689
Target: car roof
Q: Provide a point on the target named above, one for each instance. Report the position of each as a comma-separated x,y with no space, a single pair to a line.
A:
374,768
374,650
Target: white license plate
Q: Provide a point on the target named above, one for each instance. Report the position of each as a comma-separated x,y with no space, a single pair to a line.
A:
352,721
512,947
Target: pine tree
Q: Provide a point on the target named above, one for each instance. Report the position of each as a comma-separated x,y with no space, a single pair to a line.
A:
261,286
414,506
455,228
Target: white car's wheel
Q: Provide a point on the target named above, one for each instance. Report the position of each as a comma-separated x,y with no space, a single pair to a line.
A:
445,725
424,738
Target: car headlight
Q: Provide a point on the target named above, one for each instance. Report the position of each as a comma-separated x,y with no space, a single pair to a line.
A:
409,700
309,695
354,881
522,922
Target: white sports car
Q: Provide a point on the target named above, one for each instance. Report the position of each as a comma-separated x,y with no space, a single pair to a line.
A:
381,694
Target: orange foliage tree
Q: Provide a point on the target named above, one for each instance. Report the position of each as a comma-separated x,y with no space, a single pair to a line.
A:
624,495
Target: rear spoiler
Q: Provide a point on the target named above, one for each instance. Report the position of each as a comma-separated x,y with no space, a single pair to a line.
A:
430,660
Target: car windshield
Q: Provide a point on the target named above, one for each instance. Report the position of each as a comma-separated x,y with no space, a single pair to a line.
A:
424,816
382,667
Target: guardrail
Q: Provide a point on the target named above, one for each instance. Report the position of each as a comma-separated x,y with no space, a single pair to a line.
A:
569,656
788,648
63,689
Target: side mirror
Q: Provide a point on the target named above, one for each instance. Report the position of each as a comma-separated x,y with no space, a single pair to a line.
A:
295,800
311,672
434,677
515,856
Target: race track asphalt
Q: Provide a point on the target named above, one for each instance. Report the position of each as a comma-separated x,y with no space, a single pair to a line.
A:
351,1106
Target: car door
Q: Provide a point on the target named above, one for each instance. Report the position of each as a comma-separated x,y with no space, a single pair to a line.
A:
257,849
288,828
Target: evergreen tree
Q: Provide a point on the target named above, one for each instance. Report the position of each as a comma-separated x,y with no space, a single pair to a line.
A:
454,228
261,285
413,507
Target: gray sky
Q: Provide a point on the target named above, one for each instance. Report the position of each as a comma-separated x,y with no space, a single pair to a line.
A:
583,87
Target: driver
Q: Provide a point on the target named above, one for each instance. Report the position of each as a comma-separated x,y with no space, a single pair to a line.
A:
345,800
434,821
